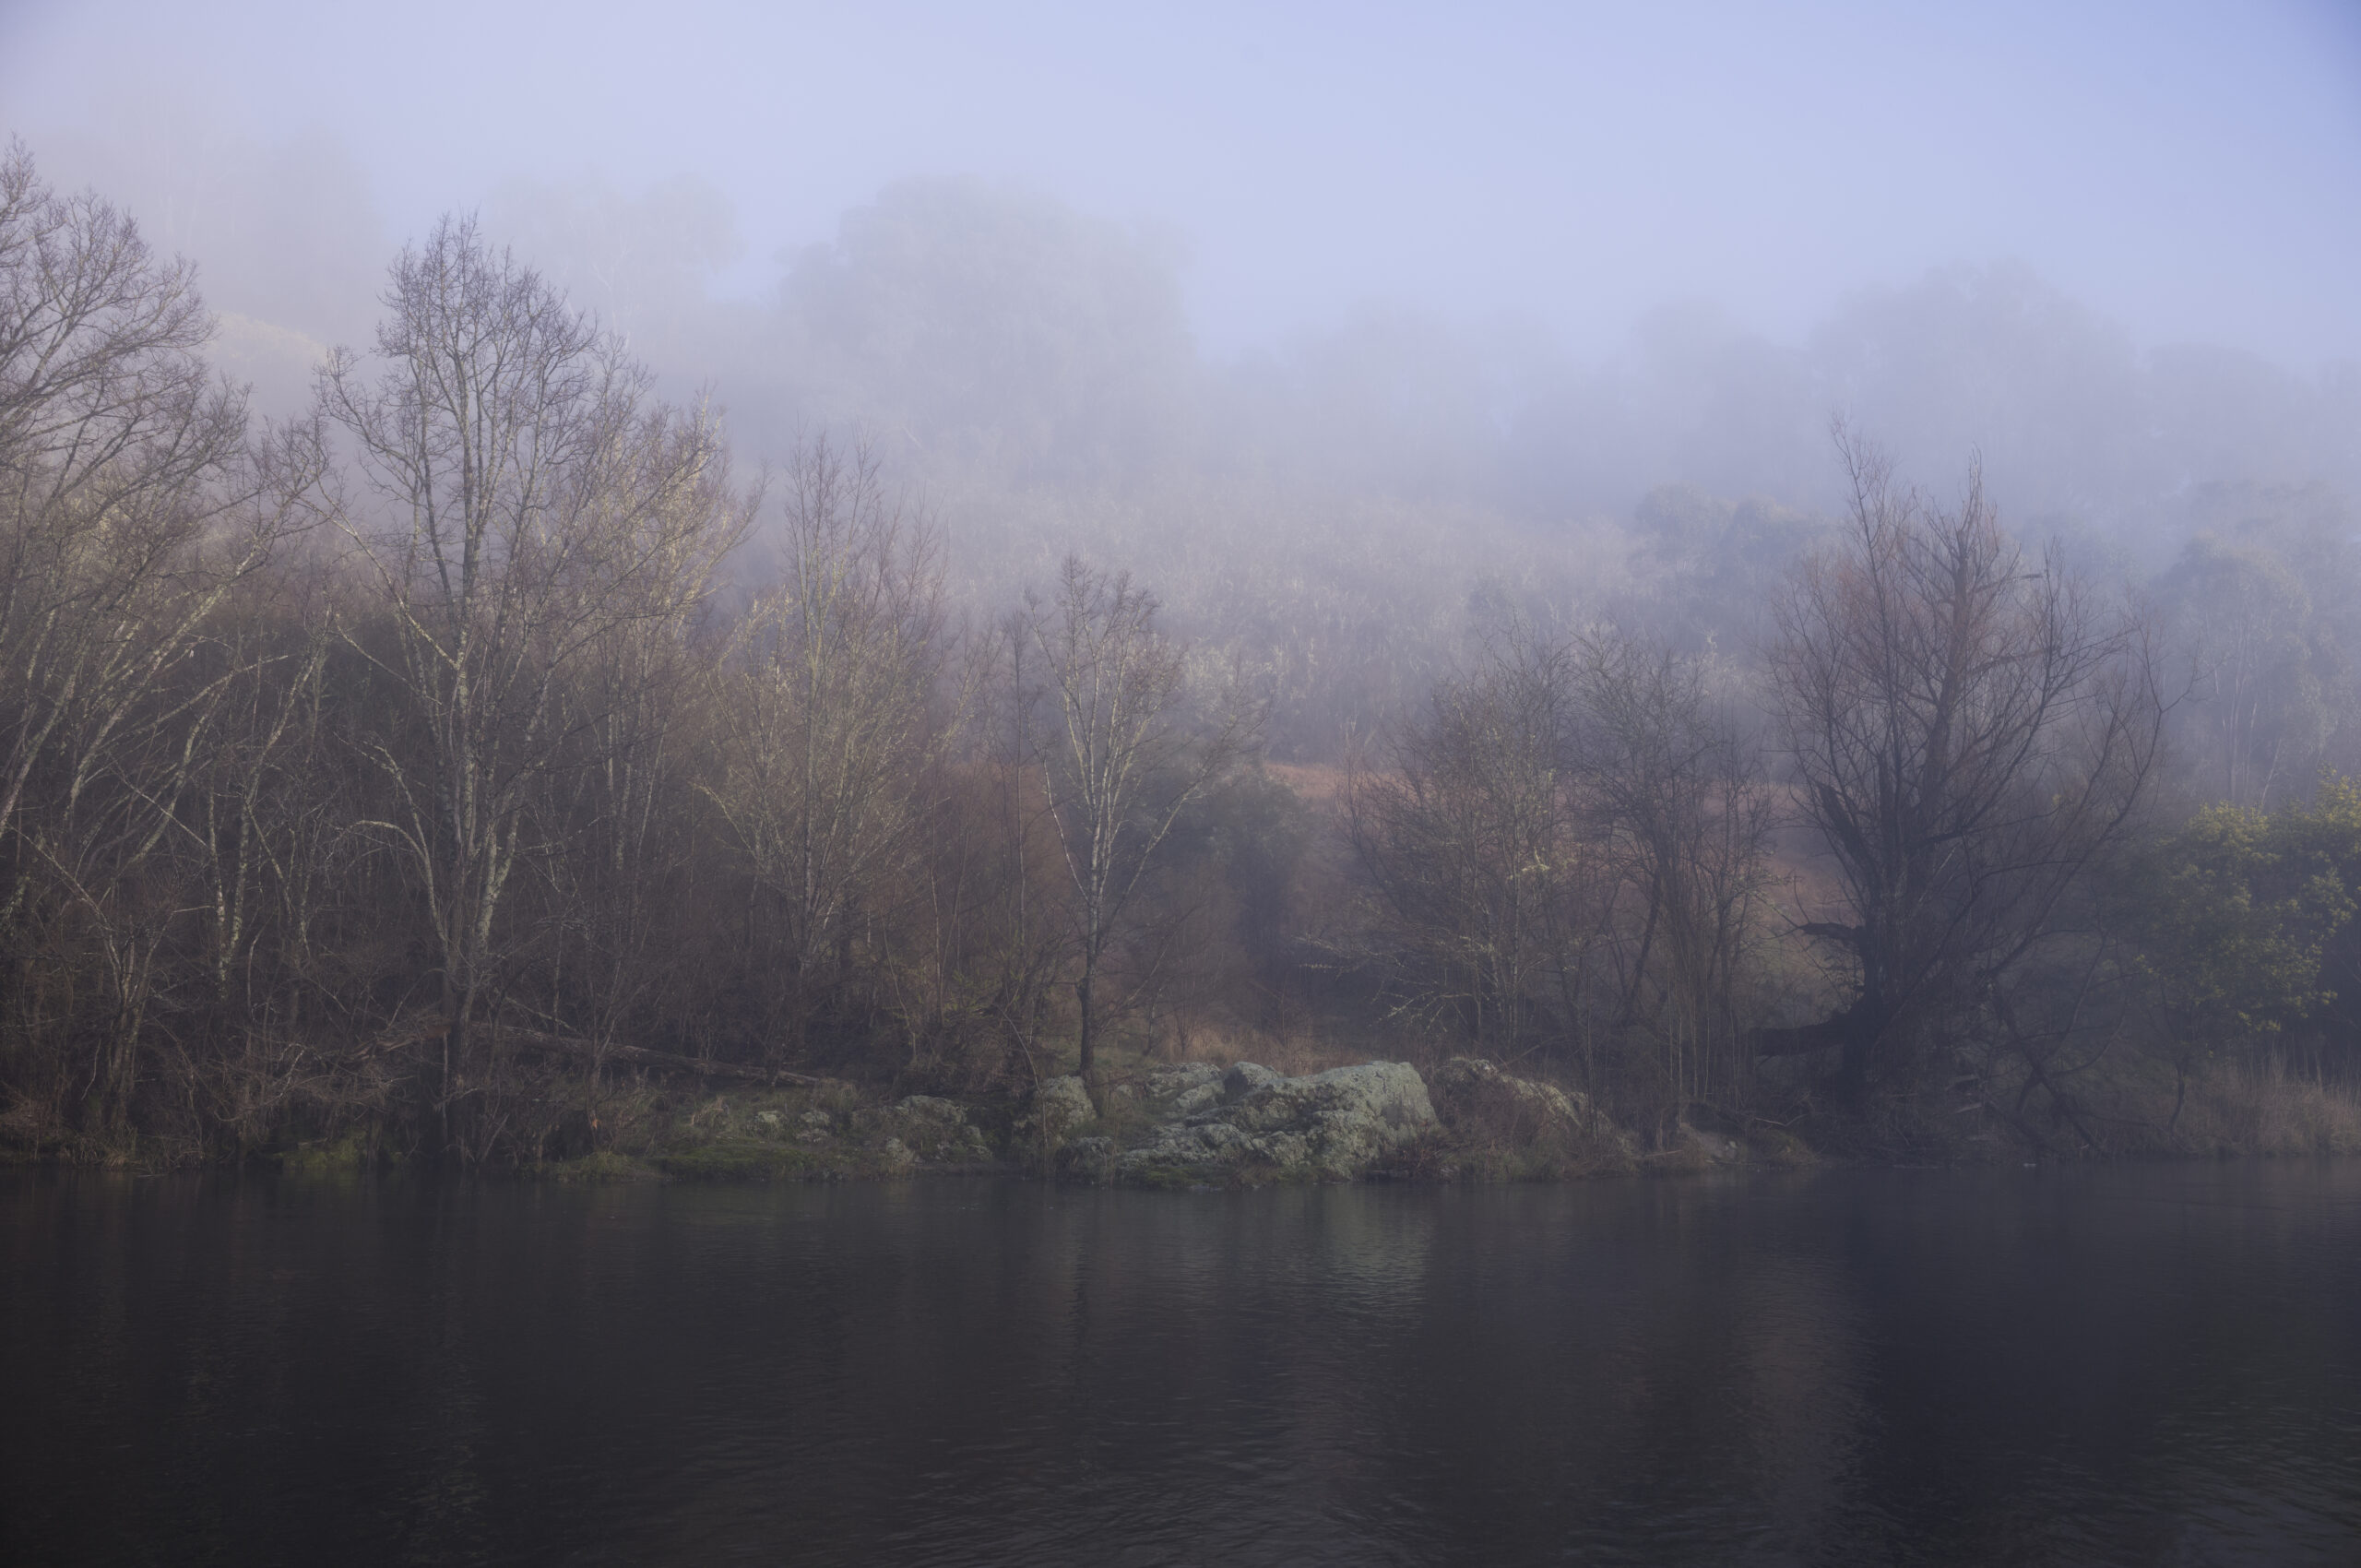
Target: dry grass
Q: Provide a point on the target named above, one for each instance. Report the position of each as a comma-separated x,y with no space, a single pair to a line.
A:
1317,783
2233,1109
1293,1052
2264,1108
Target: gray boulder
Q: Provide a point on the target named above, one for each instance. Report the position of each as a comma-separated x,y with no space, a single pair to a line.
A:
925,1128
1696,1149
1087,1160
1478,1102
1329,1126
1244,1078
1468,1087
1170,1093
1058,1108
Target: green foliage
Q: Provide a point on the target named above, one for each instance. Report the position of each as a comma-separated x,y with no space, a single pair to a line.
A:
600,1167
342,1156
2238,910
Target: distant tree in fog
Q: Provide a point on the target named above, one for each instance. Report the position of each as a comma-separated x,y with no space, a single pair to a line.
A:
1566,848
1675,792
2258,616
1471,835
831,731
992,335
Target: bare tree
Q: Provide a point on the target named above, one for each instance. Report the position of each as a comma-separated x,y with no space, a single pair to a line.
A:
833,730
996,872
1679,800
132,504
1472,840
1566,850
526,494
1120,756
1971,730
2264,673
120,463
620,868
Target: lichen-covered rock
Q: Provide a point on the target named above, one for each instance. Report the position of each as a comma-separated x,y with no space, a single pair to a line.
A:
1695,1148
1349,1117
1530,1125
1058,1108
1169,1093
926,1128
1719,1148
1243,1078
939,1129
1467,1087
1331,1126
1087,1160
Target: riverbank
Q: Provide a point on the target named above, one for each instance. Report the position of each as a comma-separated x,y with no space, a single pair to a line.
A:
1186,1125
1199,1124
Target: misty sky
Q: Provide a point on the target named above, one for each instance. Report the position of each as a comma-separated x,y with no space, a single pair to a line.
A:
2191,169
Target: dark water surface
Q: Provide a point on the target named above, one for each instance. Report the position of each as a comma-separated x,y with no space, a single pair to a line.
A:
2147,1365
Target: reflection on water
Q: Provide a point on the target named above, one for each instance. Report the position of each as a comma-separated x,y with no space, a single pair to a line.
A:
2137,1366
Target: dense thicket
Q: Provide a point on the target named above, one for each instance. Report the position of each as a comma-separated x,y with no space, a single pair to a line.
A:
439,761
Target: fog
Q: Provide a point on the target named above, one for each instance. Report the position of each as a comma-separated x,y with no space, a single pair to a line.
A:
1691,214
1575,165
1367,310
1336,323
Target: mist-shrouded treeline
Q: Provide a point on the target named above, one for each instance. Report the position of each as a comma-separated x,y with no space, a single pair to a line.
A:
941,673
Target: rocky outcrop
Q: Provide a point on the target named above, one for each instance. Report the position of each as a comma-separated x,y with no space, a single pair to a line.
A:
1467,1089
1088,1159
1691,1148
1057,1109
1253,1123
1170,1094
925,1130
1504,1125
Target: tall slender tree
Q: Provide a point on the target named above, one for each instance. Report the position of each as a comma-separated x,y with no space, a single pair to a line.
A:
1122,755
525,494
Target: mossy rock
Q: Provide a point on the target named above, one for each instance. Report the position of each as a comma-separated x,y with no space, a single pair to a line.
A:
343,1156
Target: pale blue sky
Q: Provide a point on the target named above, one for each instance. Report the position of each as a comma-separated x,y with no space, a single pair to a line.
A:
2192,169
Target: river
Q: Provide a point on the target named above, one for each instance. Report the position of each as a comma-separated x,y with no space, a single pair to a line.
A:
2149,1364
